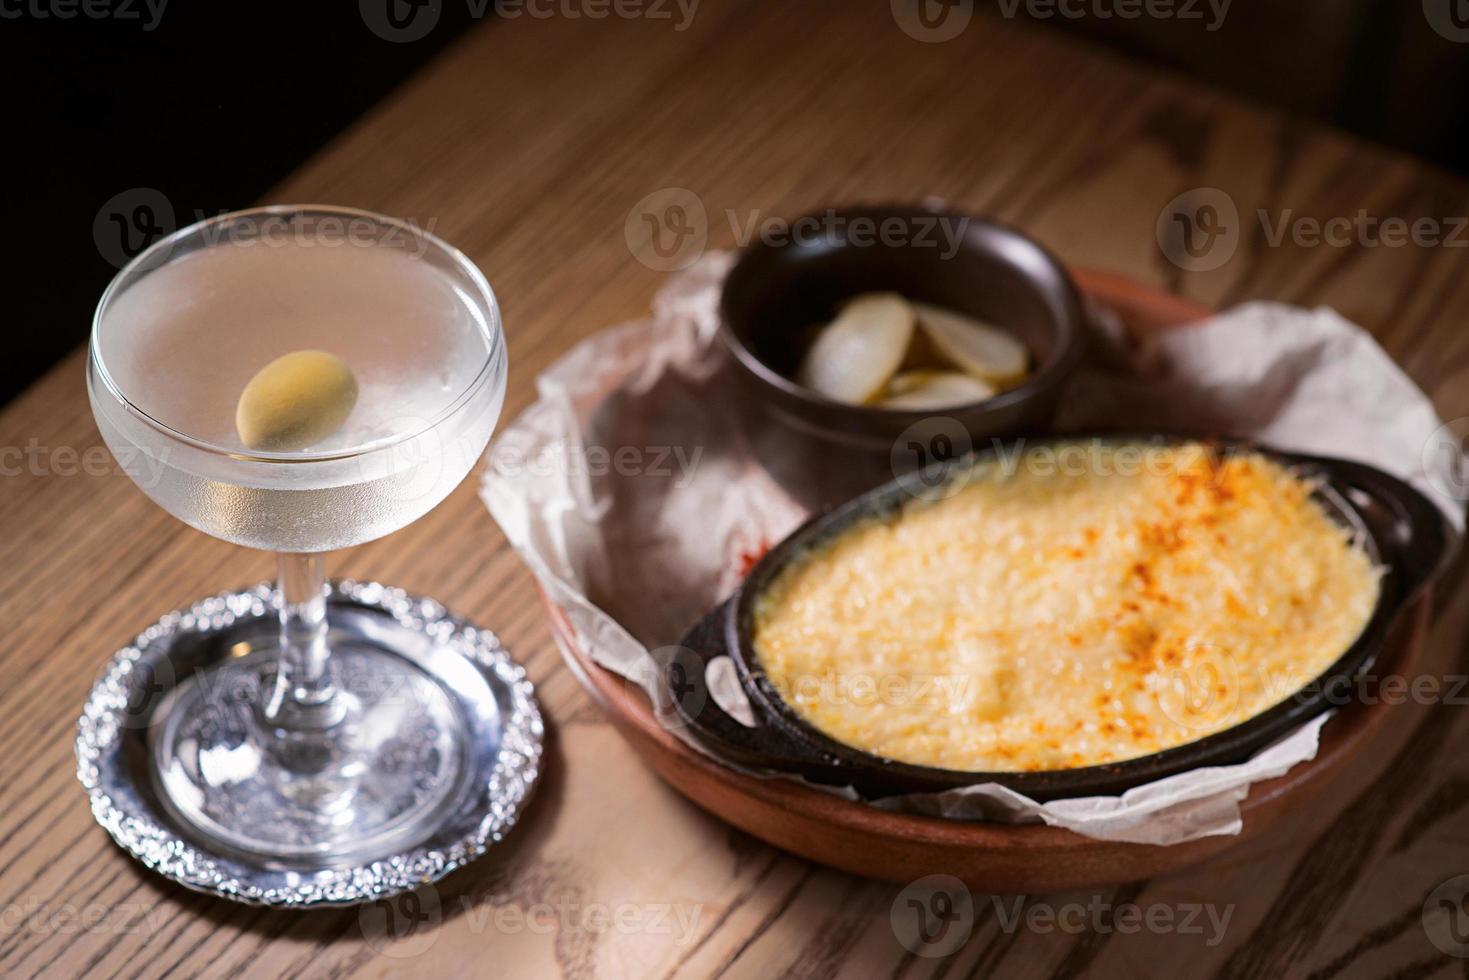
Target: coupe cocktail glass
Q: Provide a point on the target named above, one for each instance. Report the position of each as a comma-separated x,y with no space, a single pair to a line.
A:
304,747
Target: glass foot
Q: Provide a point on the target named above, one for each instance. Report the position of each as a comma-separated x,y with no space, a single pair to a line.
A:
373,782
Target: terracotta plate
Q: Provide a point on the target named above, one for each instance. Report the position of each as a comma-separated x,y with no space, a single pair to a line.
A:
991,857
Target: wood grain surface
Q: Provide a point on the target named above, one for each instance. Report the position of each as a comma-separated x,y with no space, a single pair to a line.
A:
529,145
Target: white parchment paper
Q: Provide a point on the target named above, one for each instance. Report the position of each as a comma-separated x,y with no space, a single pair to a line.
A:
632,490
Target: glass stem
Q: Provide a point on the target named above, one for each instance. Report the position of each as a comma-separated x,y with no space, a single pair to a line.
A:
305,695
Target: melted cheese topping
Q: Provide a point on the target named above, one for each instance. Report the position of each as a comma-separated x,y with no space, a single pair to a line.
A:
1070,606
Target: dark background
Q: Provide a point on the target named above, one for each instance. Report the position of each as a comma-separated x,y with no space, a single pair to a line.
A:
213,106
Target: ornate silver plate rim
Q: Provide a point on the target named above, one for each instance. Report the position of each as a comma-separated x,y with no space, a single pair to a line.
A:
134,824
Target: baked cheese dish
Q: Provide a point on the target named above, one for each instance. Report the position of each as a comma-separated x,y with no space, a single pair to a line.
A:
1070,605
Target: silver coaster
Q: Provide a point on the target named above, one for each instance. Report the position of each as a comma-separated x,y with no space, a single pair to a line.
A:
498,768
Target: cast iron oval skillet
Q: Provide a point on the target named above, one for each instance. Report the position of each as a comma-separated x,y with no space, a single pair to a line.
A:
1401,529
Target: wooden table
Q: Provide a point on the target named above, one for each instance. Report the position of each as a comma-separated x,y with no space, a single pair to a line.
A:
528,144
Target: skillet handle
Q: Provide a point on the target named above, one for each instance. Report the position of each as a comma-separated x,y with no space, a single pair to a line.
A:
1415,532
767,745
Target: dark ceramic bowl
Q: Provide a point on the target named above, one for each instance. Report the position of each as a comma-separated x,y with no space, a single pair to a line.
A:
777,294
1403,532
